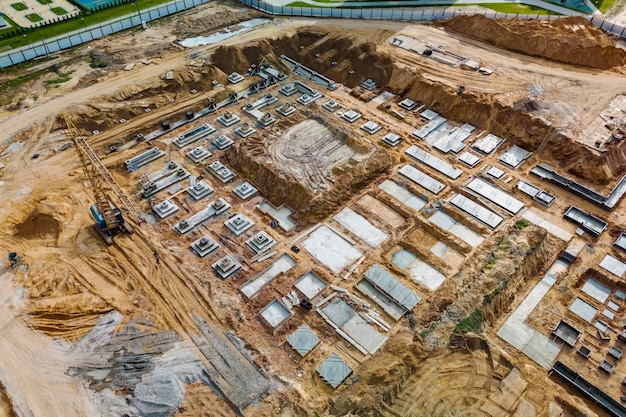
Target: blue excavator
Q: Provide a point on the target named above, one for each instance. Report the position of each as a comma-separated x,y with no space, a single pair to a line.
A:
108,217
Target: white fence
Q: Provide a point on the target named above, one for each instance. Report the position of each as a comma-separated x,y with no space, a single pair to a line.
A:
48,46
417,13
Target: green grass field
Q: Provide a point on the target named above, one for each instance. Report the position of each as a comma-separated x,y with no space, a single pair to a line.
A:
34,17
74,24
44,2
19,6
59,11
604,5
498,7
517,8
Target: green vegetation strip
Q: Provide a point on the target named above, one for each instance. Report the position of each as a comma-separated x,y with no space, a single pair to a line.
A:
471,323
516,8
73,24
21,80
19,6
34,17
44,2
62,78
603,5
59,11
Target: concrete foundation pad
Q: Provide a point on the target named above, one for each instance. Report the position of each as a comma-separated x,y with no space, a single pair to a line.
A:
403,195
331,249
165,209
154,187
226,267
445,222
200,190
198,154
238,224
275,314
419,270
523,337
204,246
343,317
281,265
362,228
310,285
303,340
213,209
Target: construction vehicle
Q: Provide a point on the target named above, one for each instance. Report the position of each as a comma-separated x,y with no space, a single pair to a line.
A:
108,217
14,259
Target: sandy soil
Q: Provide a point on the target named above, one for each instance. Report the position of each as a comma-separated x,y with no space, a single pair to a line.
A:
69,280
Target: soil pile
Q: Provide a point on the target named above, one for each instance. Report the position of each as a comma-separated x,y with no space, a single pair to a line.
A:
571,40
46,219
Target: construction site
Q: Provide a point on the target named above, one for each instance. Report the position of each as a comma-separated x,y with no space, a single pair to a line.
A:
245,215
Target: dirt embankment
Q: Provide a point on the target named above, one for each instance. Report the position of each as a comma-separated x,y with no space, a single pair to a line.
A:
571,40
355,59
516,123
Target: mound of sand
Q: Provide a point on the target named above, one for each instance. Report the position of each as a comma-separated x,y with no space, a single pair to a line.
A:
46,219
571,40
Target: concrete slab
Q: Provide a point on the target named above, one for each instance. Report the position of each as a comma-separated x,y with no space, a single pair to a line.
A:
275,314
583,309
362,228
586,221
459,230
281,214
381,299
352,325
333,370
281,265
596,290
419,270
613,265
303,340
469,159
514,156
434,162
213,209
310,285
488,144
523,337
392,287
477,211
402,194
495,172
495,195
425,181
331,249
533,217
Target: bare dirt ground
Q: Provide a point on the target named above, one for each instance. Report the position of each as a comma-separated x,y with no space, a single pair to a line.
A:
85,325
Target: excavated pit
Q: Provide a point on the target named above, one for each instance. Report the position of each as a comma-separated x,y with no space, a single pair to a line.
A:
520,123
